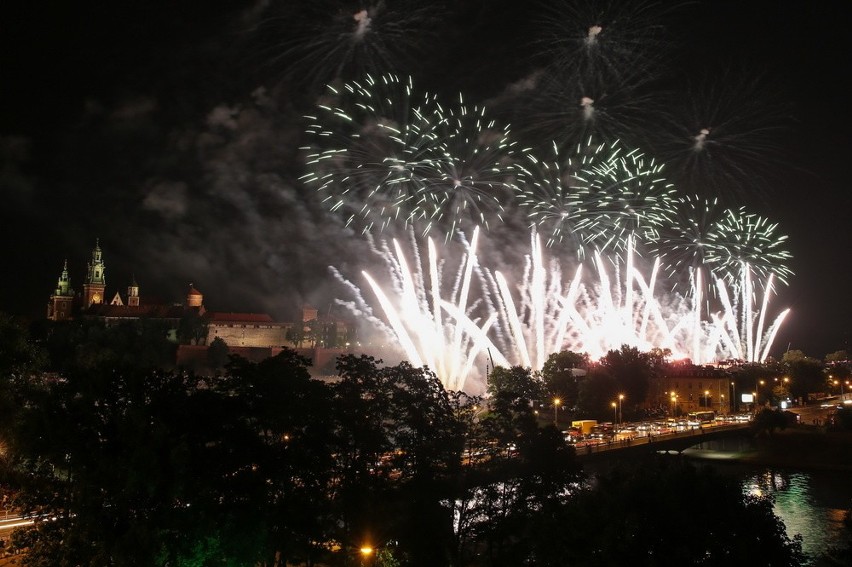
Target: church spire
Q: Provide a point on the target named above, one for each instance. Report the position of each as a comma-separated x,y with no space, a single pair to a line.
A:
93,287
133,292
63,284
61,301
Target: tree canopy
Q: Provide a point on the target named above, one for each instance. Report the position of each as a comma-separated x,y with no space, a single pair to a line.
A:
127,464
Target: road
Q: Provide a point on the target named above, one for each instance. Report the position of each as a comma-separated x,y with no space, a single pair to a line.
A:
817,412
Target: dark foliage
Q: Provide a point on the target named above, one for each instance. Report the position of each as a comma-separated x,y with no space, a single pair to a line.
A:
123,464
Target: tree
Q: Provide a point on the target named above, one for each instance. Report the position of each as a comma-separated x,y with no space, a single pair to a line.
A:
766,421
192,328
290,415
560,379
528,470
597,391
837,356
217,353
843,418
363,416
632,371
19,355
89,344
640,513
122,461
147,467
427,458
518,380
806,375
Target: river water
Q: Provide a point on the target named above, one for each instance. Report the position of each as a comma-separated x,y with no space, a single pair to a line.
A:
810,502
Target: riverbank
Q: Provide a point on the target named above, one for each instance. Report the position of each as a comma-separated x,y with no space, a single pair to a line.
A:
800,446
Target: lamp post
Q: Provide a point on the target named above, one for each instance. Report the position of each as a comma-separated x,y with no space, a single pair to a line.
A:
733,394
721,397
615,412
674,403
620,415
556,402
706,398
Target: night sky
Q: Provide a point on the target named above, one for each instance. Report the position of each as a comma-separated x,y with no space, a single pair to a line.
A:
171,134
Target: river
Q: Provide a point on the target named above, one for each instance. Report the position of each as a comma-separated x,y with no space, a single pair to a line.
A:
810,502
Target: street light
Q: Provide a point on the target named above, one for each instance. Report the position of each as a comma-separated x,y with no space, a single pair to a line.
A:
615,412
367,552
706,398
620,415
674,403
556,402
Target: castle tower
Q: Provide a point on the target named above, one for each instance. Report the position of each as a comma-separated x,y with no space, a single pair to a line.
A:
93,287
194,298
62,299
133,293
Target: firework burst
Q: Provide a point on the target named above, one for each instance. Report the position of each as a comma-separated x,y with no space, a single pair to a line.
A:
552,198
589,38
725,136
598,197
688,241
382,154
570,108
316,42
741,239
626,196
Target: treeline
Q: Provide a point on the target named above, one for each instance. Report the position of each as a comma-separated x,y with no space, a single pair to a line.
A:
123,464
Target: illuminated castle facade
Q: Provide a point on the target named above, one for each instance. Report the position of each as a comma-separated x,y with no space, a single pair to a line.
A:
238,330
65,304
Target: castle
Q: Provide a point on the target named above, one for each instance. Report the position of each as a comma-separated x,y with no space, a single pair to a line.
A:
65,304
253,335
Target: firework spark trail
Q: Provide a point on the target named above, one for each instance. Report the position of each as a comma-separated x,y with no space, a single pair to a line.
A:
525,325
413,311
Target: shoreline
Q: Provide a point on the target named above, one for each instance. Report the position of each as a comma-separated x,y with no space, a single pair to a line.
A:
800,446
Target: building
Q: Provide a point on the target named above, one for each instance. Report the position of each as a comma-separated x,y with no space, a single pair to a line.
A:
94,287
64,304
245,329
61,303
686,388
254,336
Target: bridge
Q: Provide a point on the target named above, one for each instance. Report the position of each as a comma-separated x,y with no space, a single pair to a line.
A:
668,443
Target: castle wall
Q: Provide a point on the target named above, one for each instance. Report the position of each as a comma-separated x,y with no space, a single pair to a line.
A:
262,335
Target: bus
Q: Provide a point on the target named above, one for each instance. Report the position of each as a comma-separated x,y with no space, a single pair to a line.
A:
696,418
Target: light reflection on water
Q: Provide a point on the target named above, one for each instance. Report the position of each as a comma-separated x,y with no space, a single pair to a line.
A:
812,503
803,507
